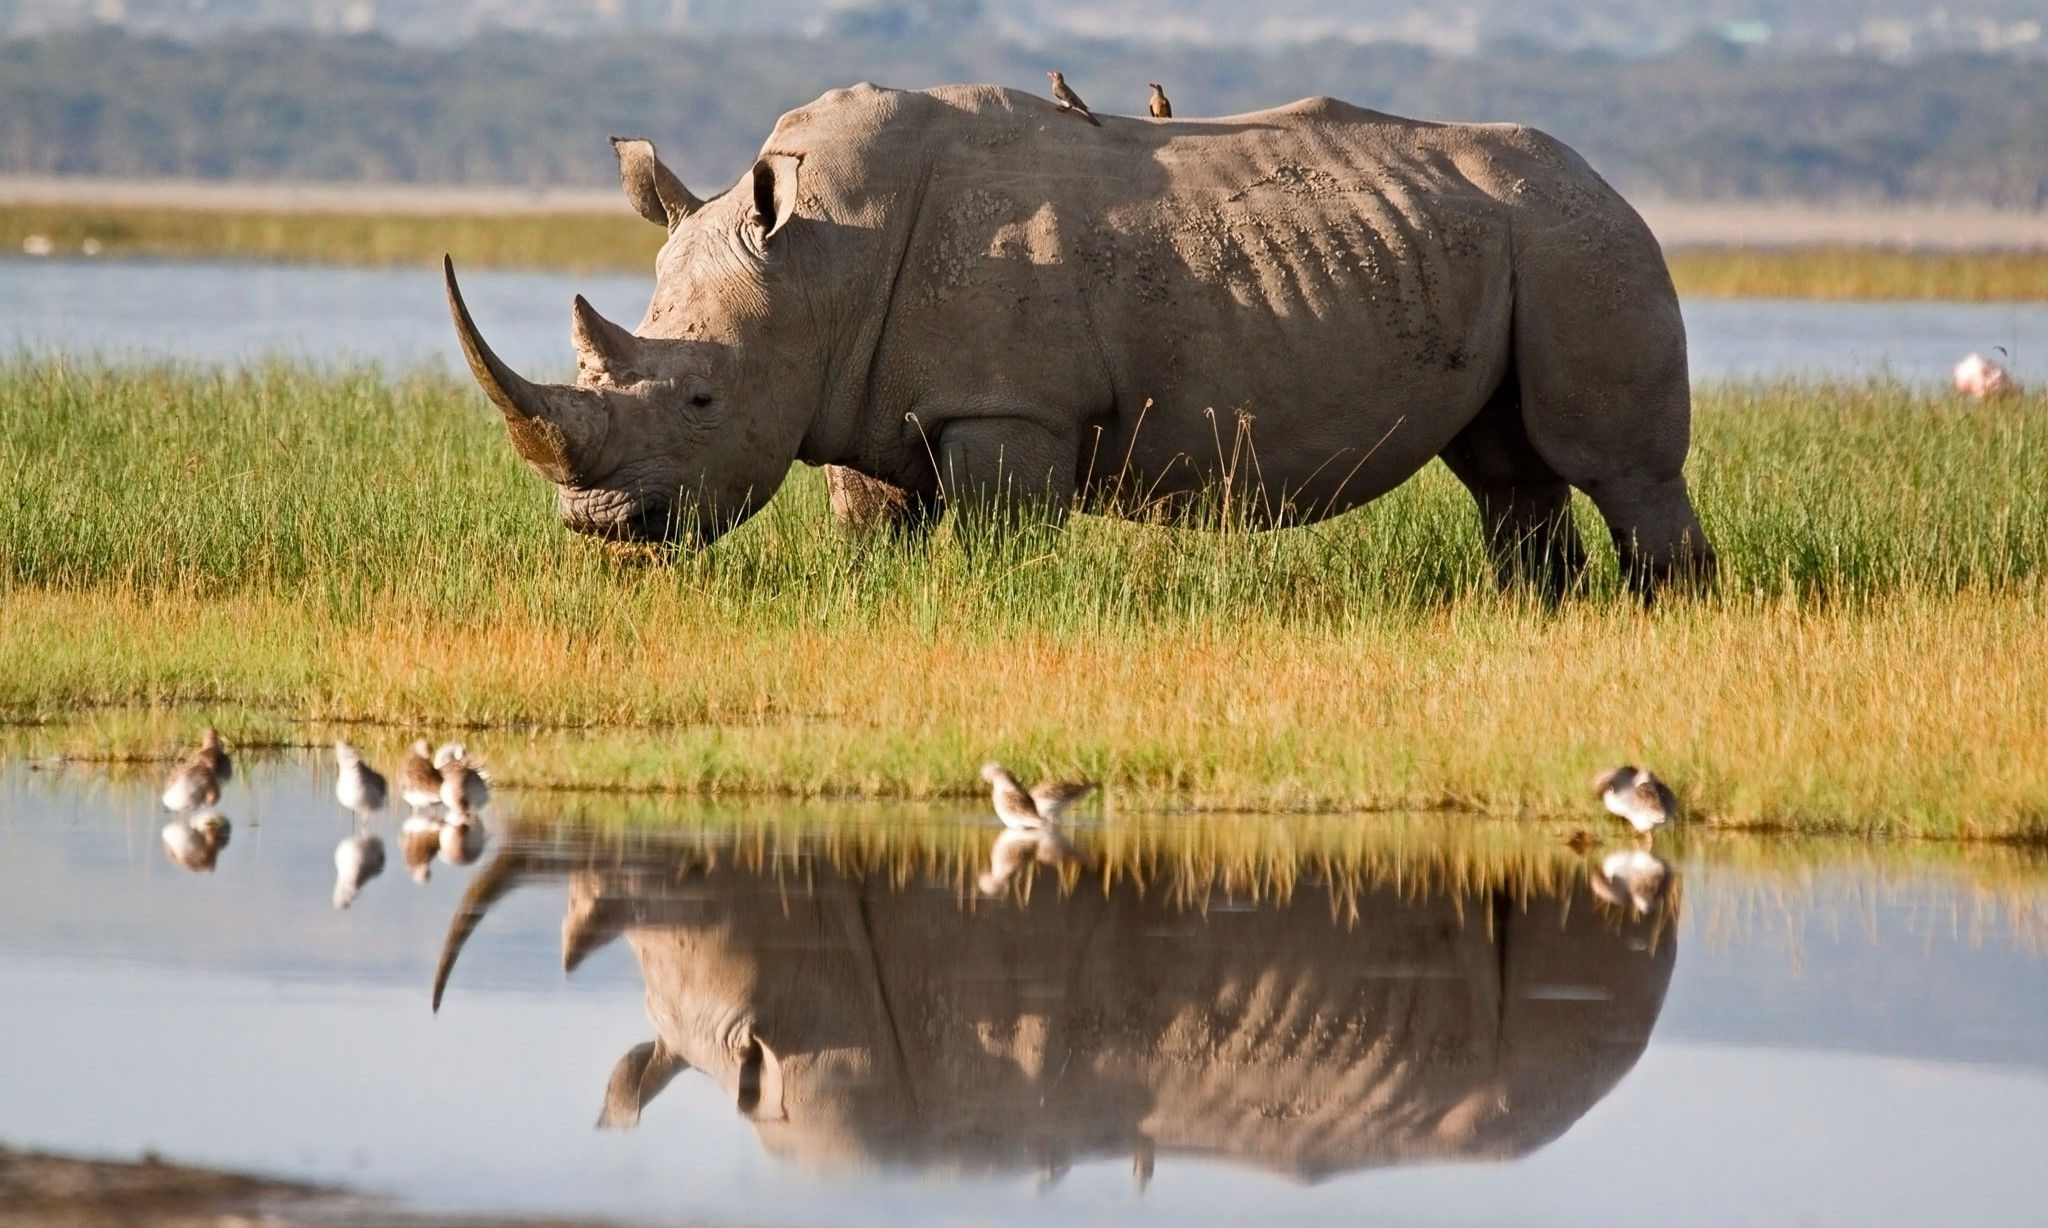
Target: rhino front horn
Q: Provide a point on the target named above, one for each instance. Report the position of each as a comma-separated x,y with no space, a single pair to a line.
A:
558,428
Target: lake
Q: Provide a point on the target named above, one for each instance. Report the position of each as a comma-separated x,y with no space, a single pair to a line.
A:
827,1016
232,313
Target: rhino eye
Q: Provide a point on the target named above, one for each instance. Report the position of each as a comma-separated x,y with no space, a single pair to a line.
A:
701,400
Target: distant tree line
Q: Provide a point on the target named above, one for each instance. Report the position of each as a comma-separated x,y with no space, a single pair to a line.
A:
1708,122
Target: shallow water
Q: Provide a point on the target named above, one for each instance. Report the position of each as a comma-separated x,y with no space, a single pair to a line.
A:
875,1038
232,313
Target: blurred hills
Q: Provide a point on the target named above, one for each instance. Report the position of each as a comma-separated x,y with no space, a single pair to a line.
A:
1885,27
1715,117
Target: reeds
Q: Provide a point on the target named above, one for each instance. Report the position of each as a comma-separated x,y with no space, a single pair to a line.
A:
282,547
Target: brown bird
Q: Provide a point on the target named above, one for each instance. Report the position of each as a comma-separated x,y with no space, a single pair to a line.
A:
1064,94
419,780
197,780
1161,108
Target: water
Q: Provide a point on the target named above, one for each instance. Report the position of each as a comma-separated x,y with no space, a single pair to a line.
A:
1784,1034
234,313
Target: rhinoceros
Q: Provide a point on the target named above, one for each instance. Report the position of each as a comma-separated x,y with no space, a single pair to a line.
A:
965,296
855,1017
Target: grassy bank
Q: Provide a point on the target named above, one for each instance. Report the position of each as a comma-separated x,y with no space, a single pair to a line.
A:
572,242
1848,272
279,548
621,242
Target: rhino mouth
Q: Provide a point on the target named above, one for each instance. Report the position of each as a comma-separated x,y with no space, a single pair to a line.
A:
619,517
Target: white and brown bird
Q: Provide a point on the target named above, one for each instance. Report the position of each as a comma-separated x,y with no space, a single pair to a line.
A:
196,843
462,840
418,840
357,785
463,788
1984,378
1161,107
197,780
1016,848
1635,879
1034,810
1064,94
419,779
1636,795
357,860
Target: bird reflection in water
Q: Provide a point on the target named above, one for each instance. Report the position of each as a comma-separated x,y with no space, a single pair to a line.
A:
196,843
857,1013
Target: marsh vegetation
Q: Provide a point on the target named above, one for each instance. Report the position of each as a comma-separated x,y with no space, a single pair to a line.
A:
618,241
280,546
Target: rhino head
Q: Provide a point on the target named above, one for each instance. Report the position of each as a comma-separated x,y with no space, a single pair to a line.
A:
682,429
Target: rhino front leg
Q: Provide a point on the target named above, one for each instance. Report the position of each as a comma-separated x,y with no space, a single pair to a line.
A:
1002,475
873,508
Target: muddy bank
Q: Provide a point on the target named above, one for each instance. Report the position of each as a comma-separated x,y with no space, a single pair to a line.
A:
40,1189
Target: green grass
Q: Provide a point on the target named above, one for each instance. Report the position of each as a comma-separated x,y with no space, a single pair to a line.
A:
621,242
284,551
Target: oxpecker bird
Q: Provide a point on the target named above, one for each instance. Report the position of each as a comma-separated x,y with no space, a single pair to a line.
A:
1161,108
1064,94
1637,796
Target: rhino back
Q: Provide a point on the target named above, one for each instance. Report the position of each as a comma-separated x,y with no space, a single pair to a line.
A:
1342,275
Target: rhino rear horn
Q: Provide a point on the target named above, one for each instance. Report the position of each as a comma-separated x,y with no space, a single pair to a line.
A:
599,342
653,188
558,428
492,884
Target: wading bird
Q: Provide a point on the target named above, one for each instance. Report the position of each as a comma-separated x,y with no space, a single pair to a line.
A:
196,843
197,781
419,779
1984,378
357,786
1637,796
357,860
1036,810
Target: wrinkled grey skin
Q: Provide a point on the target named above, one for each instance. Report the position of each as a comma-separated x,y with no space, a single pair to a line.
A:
965,295
856,1019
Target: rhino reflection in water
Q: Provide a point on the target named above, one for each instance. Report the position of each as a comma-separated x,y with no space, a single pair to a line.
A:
857,1019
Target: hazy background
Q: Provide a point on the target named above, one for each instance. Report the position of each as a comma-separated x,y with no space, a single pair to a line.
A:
1870,101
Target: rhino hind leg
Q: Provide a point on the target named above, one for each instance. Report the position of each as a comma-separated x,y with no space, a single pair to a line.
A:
1525,508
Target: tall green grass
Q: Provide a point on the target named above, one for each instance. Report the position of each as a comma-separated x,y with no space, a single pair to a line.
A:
282,547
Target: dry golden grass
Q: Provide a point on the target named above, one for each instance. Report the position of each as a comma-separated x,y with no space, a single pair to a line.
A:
1850,272
1911,715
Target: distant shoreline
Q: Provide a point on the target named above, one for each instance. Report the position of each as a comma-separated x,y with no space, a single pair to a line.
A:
1676,223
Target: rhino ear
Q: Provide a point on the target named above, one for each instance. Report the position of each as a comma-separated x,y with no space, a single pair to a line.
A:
653,188
774,181
760,1089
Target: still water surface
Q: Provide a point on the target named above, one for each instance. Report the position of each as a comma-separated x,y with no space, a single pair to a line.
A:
824,1024
230,313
